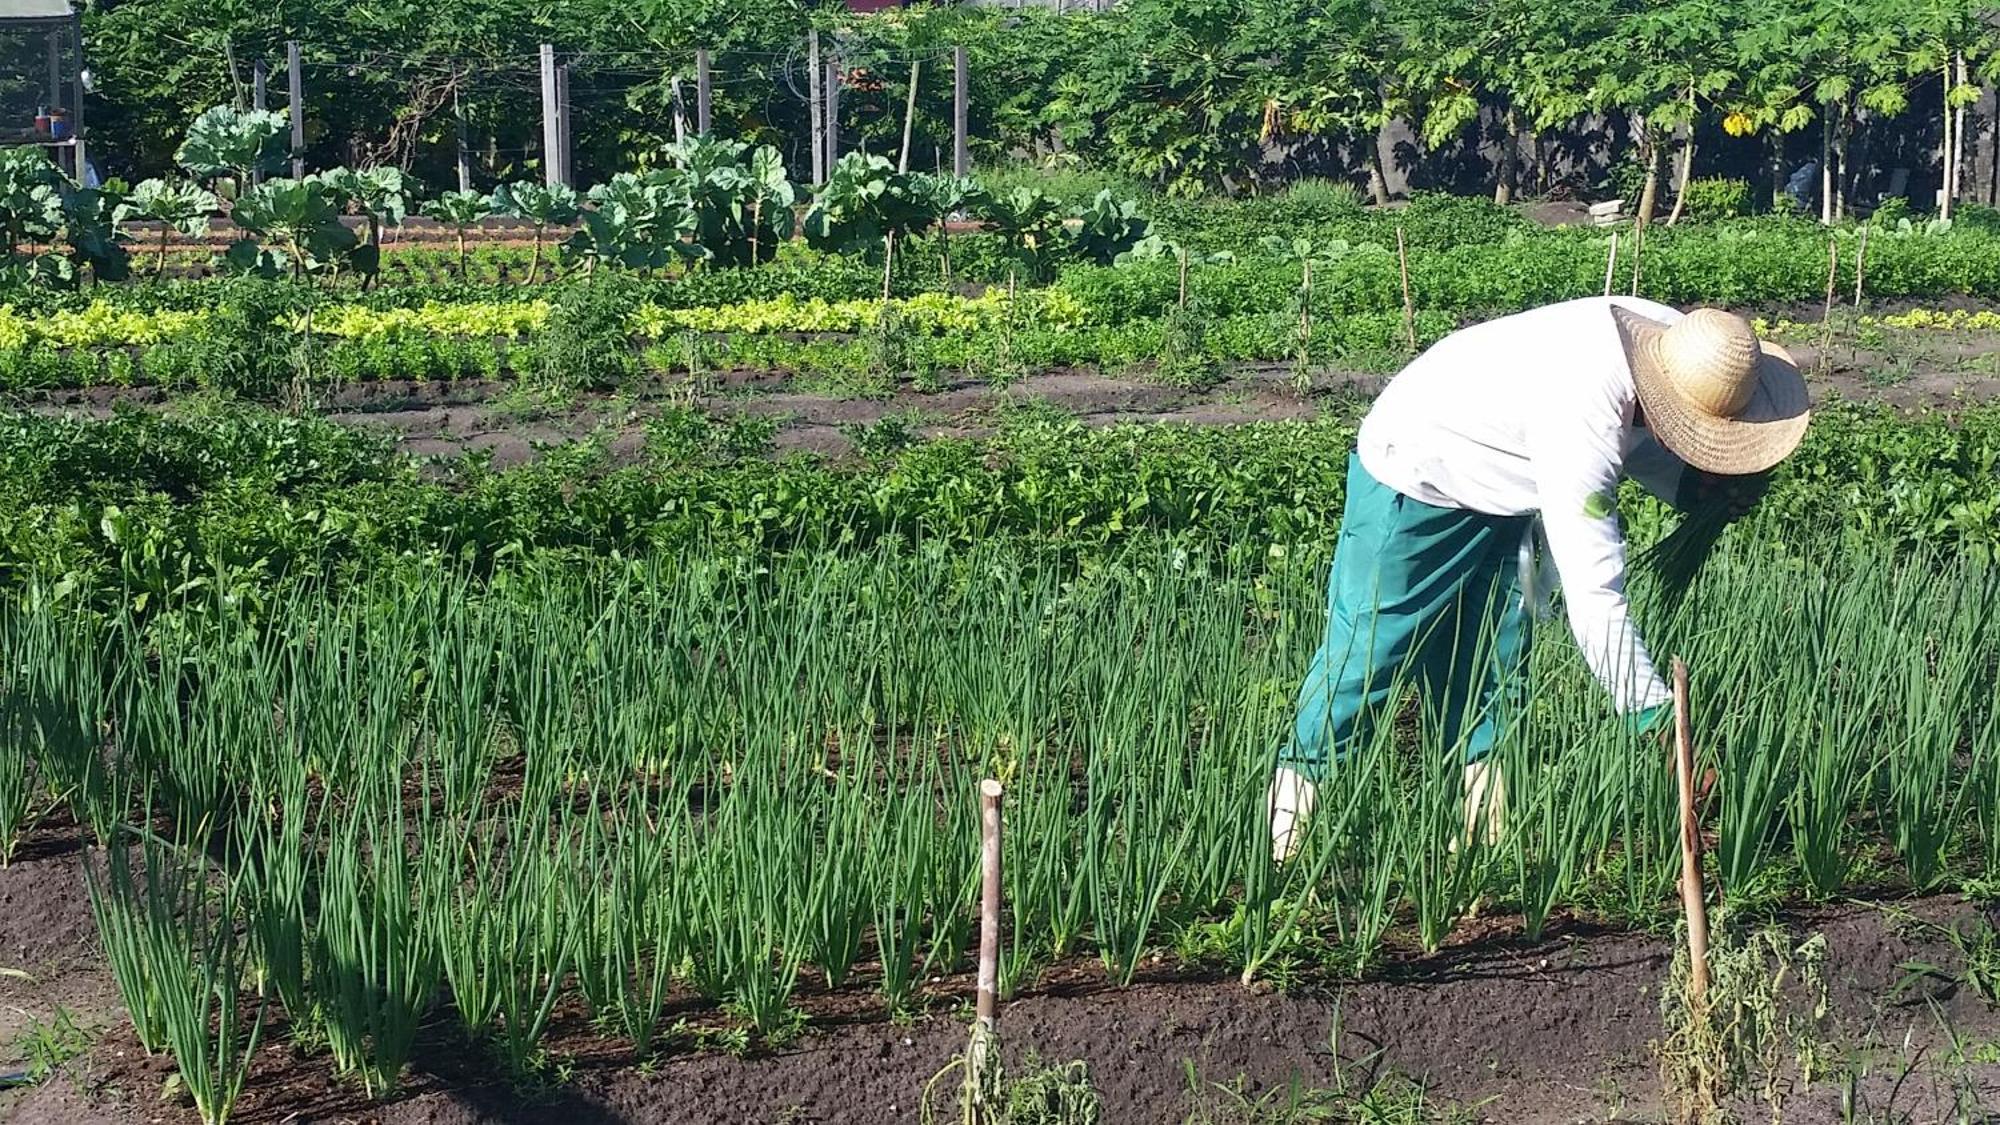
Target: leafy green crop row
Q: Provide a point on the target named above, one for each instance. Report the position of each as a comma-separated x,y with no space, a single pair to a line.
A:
143,505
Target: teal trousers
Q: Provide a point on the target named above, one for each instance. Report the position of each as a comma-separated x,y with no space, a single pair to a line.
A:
1423,597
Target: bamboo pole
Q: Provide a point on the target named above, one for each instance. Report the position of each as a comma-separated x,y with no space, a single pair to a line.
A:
980,1058
1693,900
1409,302
1611,264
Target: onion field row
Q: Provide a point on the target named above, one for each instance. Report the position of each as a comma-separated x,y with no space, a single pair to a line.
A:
633,787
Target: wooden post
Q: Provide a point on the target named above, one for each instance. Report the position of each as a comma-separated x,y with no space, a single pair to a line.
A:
1693,900
814,108
961,156
703,93
55,99
1958,137
909,116
1409,300
296,87
986,1022
78,157
1611,263
831,86
464,140
680,108
55,96
1826,317
551,126
260,100
562,125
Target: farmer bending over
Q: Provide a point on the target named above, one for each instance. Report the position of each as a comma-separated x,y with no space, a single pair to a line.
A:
1535,414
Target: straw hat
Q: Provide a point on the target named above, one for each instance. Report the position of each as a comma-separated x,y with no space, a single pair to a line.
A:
1714,395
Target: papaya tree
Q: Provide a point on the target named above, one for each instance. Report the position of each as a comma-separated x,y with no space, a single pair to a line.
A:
1329,74
1662,64
1524,57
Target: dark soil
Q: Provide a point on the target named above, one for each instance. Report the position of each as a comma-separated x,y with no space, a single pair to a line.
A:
1507,1030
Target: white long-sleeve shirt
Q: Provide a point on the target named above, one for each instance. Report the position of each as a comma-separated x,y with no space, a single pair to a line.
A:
1533,413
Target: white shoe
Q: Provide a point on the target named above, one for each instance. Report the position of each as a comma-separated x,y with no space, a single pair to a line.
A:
1291,804
1485,803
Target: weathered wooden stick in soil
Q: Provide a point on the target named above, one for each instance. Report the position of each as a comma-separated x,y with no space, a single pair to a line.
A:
1826,317
1611,264
986,1018
1409,303
1693,900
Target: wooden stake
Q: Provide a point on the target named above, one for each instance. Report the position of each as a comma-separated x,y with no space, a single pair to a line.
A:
909,116
1693,900
462,139
813,107
562,124
1638,256
1860,260
551,125
260,101
704,93
986,1022
961,160
888,262
1826,318
295,88
1611,265
1409,302
830,85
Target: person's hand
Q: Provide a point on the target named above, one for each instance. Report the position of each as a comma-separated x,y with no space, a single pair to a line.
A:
1736,495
